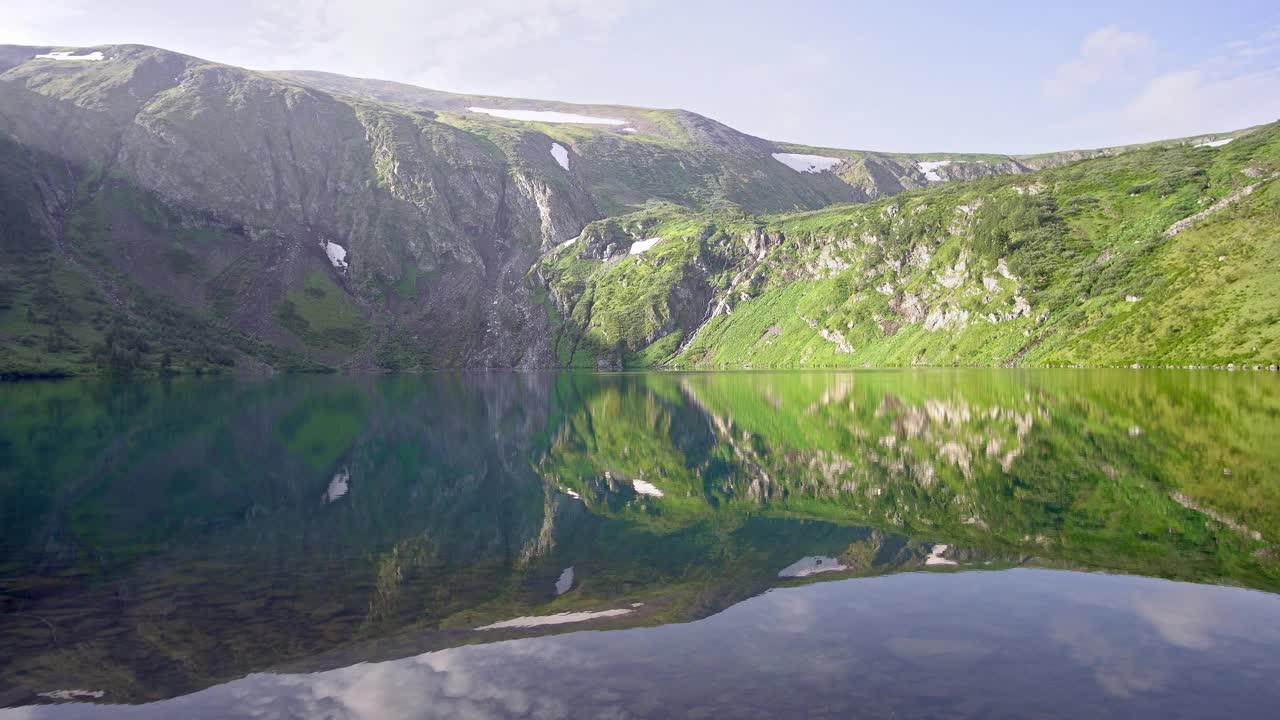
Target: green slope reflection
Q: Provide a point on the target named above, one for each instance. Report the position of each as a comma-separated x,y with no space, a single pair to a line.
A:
1165,474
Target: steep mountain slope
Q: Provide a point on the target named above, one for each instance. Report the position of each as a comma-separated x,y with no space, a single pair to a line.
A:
332,231
163,213
625,156
680,150
1163,255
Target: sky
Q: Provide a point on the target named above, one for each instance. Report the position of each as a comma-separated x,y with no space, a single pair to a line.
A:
1008,77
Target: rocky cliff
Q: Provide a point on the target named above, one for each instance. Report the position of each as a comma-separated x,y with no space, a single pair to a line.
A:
1160,256
337,232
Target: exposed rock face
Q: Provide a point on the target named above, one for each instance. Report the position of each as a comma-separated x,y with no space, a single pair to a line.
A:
698,160
836,337
1225,202
946,319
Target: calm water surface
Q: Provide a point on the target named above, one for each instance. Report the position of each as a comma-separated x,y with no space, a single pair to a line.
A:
935,544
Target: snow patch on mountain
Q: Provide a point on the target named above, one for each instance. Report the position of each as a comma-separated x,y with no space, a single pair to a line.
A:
565,581
556,619
641,245
339,485
73,694
930,169
936,558
561,155
337,255
807,163
811,565
547,116
1215,143
646,488
70,55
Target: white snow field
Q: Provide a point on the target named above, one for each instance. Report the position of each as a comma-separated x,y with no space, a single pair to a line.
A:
70,55
561,155
547,116
557,619
337,255
930,169
646,488
640,246
811,565
807,163
935,556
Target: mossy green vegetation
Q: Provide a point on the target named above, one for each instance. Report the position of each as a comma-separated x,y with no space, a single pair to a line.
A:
323,314
617,302
57,322
1079,264
1101,468
321,427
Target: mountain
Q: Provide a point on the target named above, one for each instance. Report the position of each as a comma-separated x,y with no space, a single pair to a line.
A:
162,213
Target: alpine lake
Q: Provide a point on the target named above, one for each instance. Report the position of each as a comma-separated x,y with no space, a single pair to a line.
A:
865,544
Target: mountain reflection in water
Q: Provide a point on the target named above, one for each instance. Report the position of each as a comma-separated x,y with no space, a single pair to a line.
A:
339,540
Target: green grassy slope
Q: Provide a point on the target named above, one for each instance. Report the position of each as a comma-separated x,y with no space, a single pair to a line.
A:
1077,264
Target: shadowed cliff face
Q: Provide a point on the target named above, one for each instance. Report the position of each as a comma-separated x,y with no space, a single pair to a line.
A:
253,524
161,537
345,232
338,230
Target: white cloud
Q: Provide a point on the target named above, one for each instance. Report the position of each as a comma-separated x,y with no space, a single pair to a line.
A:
36,22
1186,102
1255,51
472,46
1105,53
1235,87
1116,665
437,43
1183,617
1261,46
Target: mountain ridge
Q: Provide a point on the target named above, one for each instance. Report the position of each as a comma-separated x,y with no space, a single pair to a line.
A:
378,89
